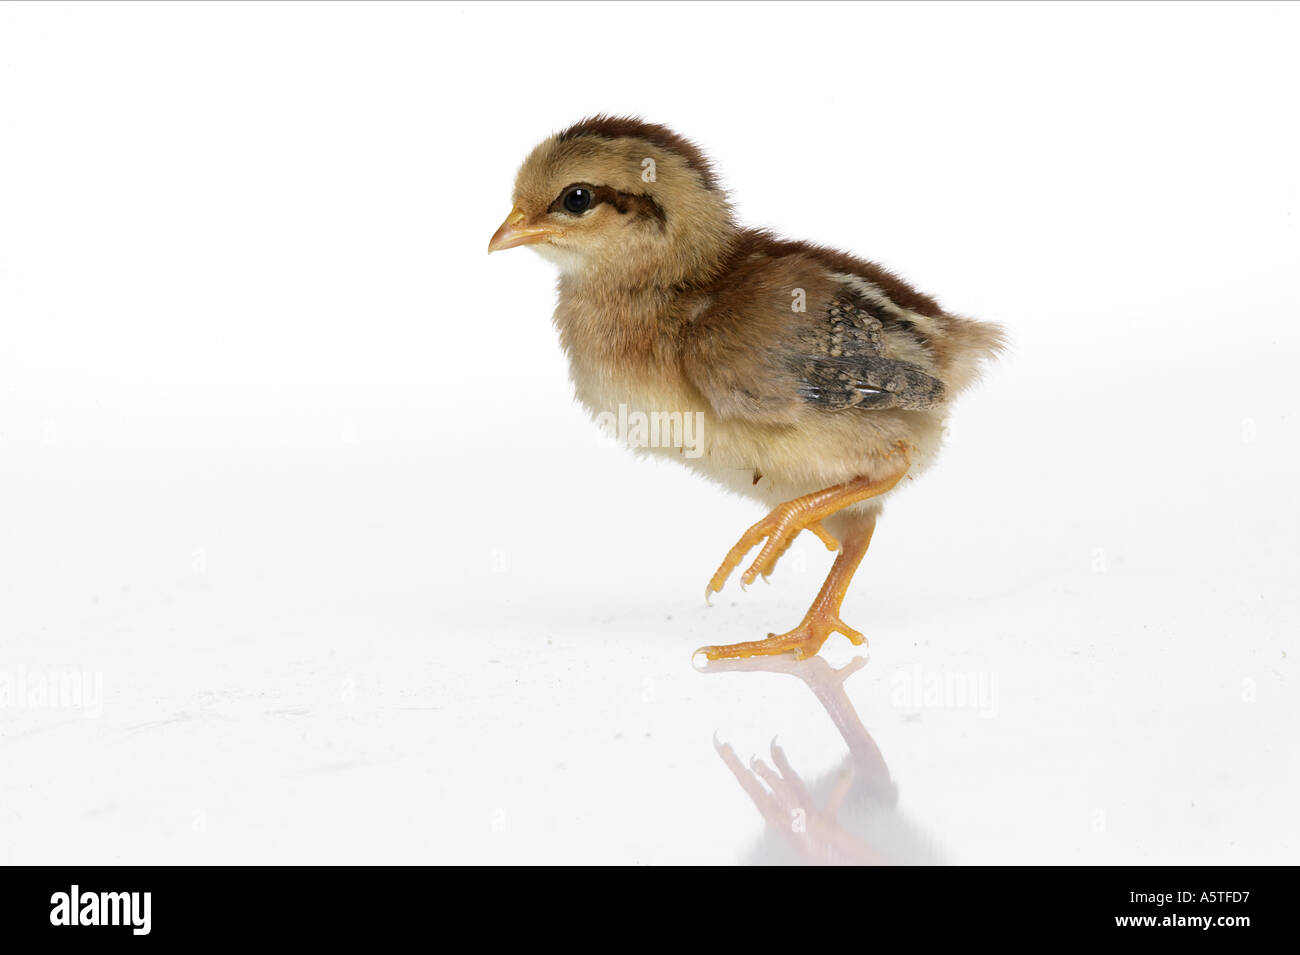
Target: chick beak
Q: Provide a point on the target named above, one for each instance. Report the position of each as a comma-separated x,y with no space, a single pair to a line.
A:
515,231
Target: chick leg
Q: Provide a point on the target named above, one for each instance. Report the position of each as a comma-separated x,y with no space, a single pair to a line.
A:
823,617
785,522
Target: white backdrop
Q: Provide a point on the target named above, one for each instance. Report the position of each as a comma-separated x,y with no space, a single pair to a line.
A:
290,470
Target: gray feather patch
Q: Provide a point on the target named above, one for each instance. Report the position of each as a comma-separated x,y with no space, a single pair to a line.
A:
847,368
868,382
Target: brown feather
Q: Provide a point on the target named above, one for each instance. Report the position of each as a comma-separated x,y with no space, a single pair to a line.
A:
605,126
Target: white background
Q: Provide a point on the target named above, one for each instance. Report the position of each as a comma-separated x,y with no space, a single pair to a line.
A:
293,466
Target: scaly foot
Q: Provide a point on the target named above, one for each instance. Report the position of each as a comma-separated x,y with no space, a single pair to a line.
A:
780,528
805,640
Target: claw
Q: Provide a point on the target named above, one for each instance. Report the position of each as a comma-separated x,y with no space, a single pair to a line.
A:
777,534
855,637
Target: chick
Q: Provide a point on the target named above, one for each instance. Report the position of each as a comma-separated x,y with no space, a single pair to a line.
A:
819,380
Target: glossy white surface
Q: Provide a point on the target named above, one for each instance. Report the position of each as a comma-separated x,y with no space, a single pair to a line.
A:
290,465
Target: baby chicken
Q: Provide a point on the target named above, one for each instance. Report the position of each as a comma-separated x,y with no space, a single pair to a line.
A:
819,380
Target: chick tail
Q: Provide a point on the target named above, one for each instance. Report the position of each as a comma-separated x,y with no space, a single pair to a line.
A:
971,346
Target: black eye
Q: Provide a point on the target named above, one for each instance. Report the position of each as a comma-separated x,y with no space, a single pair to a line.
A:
577,200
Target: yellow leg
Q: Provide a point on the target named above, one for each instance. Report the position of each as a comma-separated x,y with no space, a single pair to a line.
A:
785,522
823,617
769,565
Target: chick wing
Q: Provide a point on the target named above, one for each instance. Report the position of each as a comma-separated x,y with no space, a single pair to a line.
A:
784,335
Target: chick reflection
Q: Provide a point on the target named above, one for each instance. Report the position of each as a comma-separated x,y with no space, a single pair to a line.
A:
849,815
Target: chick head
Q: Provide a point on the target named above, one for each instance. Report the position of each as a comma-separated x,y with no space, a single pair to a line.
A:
618,196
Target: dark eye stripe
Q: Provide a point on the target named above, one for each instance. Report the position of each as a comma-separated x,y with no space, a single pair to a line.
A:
639,205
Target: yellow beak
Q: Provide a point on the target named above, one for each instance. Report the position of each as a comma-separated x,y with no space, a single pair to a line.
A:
514,232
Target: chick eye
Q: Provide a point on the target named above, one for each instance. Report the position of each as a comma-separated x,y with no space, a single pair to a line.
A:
576,199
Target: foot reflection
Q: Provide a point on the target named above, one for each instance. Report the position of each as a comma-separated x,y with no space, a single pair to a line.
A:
849,815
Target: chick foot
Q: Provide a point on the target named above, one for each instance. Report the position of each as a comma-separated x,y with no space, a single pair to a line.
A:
779,529
823,617
805,640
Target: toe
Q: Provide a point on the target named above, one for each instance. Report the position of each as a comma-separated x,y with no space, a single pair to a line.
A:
855,637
